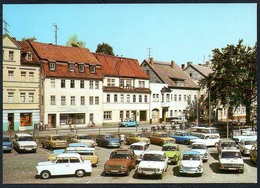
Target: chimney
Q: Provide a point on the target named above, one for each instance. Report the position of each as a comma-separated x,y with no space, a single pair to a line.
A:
207,63
188,63
182,66
151,60
172,63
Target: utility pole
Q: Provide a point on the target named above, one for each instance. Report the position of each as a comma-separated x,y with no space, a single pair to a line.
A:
5,27
56,31
149,52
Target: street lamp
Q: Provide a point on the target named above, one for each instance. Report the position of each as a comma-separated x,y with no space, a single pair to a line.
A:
227,117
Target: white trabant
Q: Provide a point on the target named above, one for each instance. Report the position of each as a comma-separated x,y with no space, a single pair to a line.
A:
65,164
24,142
153,163
237,136
190,163
231,159
245,145
208,139
202,148
139,148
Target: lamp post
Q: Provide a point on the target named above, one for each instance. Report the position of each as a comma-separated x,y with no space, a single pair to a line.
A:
227,117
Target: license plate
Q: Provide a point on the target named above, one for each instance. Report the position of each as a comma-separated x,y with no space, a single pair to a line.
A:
190,172
4,146
232,168
148,173
114,170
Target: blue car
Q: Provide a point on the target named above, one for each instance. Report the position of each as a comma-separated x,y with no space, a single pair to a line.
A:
108,140
7,145
183,137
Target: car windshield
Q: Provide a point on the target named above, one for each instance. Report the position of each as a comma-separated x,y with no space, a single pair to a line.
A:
163,135
84,137
153,157
57,138
6,139
250,142
85,153
191,157
25,138
199,146
169,148
137,147
139,135
231,154
228,144
120,155
110,136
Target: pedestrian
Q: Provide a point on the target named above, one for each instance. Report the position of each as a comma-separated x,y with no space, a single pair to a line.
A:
71,126
41,126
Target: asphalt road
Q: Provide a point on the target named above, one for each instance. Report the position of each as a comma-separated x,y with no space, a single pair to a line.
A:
20,169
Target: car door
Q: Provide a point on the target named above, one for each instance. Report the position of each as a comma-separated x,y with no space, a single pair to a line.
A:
62,166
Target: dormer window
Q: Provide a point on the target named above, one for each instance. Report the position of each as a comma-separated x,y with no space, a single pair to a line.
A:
92,69
29,56
52,66
81,68
71,67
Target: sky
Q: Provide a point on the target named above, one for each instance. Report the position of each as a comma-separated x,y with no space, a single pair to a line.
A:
180,32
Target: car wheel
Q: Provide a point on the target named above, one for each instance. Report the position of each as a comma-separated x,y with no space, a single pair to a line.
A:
160,176
126,125
80,173
242,171
127,172
45,174
186,142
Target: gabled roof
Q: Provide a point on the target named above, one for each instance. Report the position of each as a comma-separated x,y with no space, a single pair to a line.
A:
169,73
58,53
25,49
13,40
120,66
203,70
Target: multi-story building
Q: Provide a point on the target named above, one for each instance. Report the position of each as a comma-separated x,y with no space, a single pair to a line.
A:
71,85
173,93
126,92
21,71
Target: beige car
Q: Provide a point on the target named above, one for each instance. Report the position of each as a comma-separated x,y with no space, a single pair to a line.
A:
84,138
136,137
54,141
160,138
85,152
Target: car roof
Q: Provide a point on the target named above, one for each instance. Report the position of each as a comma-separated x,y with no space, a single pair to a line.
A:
226,140
154,152
139,143
127,150
170,144
248,139
202,143
23,134
231,150
80,148
68,155
191,152
77,144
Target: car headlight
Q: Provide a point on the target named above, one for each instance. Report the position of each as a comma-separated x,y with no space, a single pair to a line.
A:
106,167
206,154
181,166
123,167
200,167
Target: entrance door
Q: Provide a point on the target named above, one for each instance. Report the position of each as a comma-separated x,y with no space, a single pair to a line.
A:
11,119
52,120
155,116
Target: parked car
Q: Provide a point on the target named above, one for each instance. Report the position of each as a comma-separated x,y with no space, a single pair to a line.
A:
76,145
245,145
202,148
65,164
128,123
7,145
253,153
225,144
84,138
136,137
172,151
231,159
24,142
121,161
190,163
178,120
54,141
139,148
238,135
208,139
160,138
153,163
108,140
203,131
183,137
86,154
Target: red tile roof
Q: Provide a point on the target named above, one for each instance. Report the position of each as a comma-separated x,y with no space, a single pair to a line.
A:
120,66
25,49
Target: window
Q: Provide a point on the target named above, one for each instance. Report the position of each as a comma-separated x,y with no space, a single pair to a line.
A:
72,83
52,66
31,76
107,115
23,76
167,97
63,84
31,97
179,97
63,100
134,98
25,119
10,97
97,100
91,84
82,84
189,98
22,97
141,84
71,67
29,56
121,116
10,75
121,82
175,97
185,98
91,117
52,83
53,100
171,113
108,97
82,100
155,97
140,98
11,55
122,97
195,97
115,97
145,98
92,69
72,100
128,83
128,98
91,100
81,68
127,114
110,82
96,84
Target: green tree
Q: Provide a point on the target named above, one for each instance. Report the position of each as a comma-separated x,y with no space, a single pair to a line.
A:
105,49
29,38
73,41
233,80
